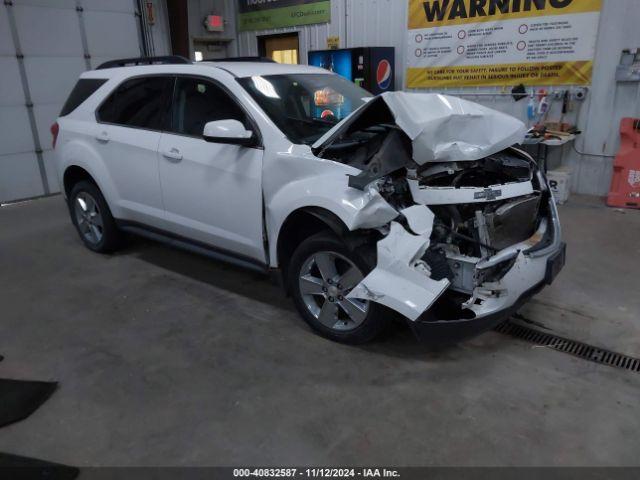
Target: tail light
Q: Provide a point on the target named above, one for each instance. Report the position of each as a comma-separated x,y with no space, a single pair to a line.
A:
55,128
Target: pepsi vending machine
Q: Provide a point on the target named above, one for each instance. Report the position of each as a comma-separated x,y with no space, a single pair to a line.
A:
372,68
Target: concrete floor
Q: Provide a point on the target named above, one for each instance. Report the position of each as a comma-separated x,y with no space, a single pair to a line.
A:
166,358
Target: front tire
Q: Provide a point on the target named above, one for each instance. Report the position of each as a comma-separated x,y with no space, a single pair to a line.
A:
92,218
322,272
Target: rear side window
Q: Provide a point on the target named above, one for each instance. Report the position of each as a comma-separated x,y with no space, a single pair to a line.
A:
83,90
139,103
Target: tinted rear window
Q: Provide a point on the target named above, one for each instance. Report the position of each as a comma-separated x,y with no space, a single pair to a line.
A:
139,103
83,90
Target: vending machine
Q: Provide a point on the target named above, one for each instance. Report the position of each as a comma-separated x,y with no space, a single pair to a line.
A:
372,68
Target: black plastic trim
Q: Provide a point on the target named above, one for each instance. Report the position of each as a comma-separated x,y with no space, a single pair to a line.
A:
163,60
555,263
194,246
449,332
330,219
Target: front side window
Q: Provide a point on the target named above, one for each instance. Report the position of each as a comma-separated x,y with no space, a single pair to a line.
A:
138,103
305,106
197,102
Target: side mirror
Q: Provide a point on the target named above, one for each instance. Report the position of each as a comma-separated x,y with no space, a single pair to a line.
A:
228,131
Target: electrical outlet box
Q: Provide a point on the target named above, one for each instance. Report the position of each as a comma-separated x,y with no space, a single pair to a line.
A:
629,68
579,93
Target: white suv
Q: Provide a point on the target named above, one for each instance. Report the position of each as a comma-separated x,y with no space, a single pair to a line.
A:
408,205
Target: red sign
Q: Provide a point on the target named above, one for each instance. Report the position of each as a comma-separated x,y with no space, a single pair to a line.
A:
214,23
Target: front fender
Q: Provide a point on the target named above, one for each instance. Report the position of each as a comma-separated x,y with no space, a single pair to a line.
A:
294,178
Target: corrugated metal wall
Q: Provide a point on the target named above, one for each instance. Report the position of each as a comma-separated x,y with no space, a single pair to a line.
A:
383,23
358,23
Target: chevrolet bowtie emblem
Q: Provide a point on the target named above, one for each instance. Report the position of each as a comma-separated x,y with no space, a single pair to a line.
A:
487,194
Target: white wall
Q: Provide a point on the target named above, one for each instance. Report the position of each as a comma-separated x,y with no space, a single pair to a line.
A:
383,23
160,30
49,35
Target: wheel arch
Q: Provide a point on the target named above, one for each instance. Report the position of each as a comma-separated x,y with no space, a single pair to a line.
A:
78,159
301,224
74,174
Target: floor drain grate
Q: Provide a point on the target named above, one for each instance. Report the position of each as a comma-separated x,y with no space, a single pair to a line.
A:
572,347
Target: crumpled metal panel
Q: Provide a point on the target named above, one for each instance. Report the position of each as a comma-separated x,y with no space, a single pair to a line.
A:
443,128
375,212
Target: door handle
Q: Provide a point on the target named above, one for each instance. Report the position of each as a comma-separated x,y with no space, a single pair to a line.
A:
172,154
102,137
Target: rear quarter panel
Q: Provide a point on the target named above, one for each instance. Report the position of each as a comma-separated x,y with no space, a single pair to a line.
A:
76,146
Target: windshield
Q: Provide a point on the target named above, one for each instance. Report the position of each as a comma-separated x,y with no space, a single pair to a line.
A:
305,106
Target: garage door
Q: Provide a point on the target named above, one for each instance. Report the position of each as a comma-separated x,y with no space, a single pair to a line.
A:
44,46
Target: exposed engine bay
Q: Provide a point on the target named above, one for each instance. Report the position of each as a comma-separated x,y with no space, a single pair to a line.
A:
479,206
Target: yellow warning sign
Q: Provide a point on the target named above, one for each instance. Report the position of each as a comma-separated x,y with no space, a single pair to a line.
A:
463,43
435,13
558,73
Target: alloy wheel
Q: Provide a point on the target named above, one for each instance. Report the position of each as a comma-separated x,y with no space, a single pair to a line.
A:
88,217
325,280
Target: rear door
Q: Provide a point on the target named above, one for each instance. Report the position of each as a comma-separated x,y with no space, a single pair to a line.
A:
212,192
129,128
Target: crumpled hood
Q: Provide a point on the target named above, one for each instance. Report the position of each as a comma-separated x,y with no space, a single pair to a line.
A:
443,128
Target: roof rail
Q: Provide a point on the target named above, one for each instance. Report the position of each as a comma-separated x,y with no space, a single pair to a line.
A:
244,59
123,62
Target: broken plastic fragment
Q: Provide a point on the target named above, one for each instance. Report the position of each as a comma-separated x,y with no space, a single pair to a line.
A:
420,220
401,280
375,212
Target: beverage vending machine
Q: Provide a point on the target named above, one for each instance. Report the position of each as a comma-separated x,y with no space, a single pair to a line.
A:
372,68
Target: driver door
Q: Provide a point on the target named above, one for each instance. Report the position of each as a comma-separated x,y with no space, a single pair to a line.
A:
212,192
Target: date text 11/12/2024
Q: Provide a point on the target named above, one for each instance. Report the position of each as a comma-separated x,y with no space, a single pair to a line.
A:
315,473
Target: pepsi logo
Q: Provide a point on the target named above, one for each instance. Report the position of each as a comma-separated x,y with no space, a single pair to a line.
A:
327,113
384,74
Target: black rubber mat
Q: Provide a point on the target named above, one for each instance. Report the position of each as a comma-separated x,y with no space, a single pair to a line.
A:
19,399
23,468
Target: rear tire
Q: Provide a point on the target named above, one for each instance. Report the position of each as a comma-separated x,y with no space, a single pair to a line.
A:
321,273
92,218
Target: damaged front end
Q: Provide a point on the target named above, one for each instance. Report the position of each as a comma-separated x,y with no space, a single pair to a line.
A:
474,230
